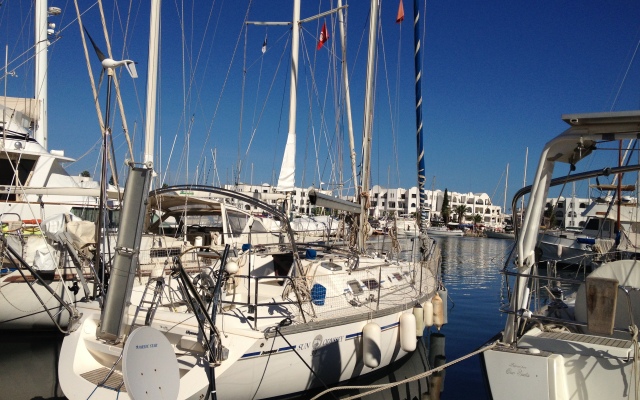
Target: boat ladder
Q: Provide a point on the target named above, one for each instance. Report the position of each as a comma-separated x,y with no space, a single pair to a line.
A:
149,306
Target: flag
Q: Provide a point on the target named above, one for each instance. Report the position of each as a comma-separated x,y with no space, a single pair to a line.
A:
324,36
400,16
264,44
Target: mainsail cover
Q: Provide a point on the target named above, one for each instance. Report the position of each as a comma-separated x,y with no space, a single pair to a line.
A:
286,180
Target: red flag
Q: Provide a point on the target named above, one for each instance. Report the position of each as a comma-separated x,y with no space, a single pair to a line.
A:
400,16
324,36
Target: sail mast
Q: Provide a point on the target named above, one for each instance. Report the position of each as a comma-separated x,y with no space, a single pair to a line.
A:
417,62
41,85
347,94
152,84
286,180
368,123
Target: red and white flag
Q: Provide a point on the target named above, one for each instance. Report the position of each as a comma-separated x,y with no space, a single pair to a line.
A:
400,16
324,36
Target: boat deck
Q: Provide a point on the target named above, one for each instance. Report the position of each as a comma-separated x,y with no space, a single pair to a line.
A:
570,343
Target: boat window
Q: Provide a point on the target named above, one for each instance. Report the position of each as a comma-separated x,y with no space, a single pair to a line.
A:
237,222
583,205
258,227
372,284
355,287
592,224
8,177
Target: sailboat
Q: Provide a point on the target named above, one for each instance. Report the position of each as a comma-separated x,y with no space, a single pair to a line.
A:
569,338
39,201
502,233
275,320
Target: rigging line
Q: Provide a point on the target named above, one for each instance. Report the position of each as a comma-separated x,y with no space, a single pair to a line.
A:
625,74
284,93
281,37
310,126
190,77
226,79
324,126
264,105
197,62
496,188
244,86
393,120
397,94
255,104
112,162
96,100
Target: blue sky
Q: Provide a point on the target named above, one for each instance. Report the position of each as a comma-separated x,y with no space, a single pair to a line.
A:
497,77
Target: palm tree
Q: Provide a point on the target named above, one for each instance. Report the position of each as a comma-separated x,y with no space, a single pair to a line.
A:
476,220
446,210
460,210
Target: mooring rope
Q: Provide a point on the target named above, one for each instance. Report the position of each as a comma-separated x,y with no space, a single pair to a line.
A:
379,388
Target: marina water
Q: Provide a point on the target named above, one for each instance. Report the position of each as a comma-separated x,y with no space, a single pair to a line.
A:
471,272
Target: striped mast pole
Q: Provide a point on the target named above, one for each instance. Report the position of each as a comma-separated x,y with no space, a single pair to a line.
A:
417,58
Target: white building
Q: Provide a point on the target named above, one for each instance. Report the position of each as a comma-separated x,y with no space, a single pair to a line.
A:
568,211
401,201
268,194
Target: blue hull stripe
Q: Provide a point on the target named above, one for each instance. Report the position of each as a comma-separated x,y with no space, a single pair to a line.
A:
290,348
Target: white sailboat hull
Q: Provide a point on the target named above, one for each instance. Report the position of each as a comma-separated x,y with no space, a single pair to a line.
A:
561,366
269,344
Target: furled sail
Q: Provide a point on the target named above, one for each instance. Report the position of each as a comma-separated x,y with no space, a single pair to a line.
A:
286,180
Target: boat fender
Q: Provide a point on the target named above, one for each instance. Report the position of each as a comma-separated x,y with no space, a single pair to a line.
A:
437,380
408,332
231,267
559,251
438,311
371,353
444,295
436,347
418,312
428,314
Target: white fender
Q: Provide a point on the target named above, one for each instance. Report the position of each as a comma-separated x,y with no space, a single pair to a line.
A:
408,340
438,311
428,313
371,353
419,314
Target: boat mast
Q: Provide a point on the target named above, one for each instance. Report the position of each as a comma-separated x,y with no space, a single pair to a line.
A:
347,94
41,85
417,63
506,184
286,180
152,84
368,123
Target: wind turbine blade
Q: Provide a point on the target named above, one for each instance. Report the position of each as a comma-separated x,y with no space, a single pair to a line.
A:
99,53
131,68
101,77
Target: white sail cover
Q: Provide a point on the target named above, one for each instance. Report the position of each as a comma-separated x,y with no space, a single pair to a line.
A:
286,180
28,107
